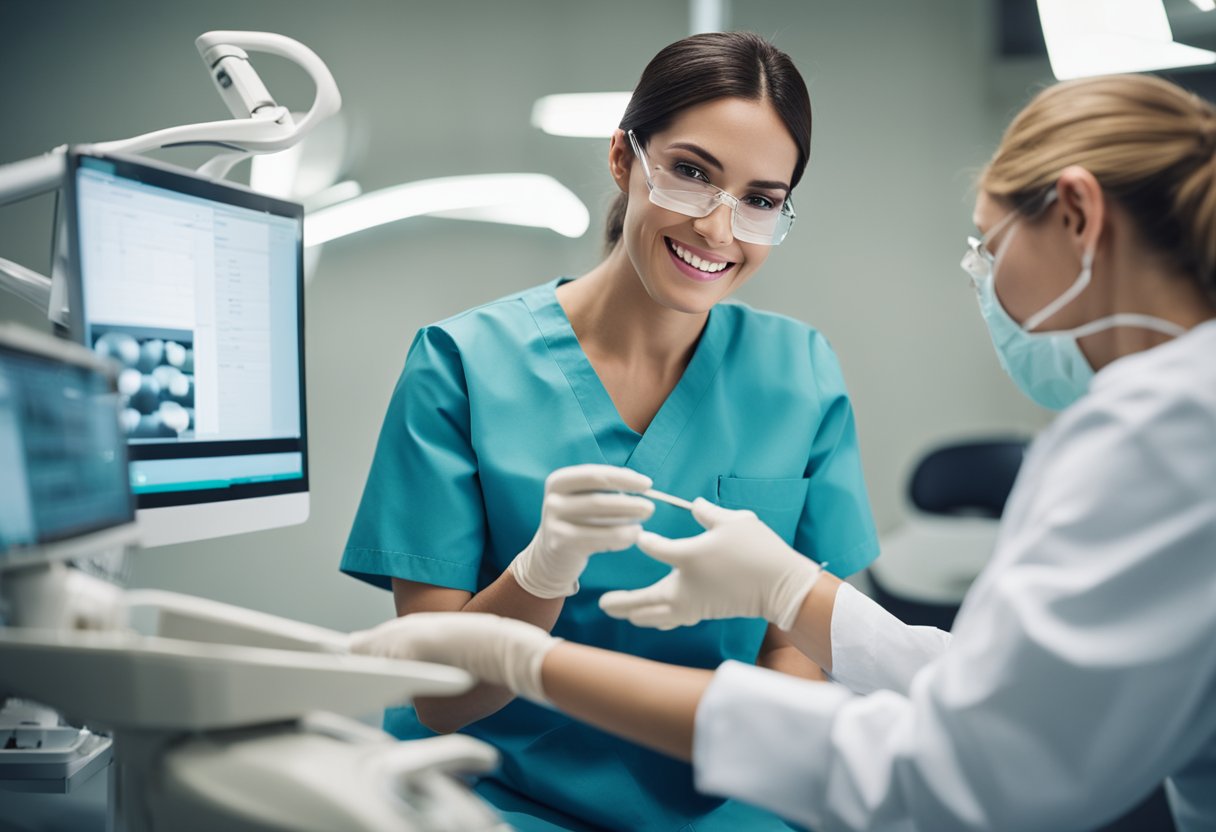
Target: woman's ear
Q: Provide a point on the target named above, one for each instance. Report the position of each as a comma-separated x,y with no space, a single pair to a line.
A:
620,159
1082,208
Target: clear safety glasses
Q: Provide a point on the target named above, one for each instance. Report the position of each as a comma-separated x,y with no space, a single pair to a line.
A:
978,260
754,219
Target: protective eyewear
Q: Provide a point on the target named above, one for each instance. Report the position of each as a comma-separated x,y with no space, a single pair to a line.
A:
754,219
978,261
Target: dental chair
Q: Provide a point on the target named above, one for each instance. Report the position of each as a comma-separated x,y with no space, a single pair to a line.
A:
957,493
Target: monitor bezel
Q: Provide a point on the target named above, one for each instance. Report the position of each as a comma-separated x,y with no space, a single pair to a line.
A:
158,174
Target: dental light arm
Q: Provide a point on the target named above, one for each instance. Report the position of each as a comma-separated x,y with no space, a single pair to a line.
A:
259,125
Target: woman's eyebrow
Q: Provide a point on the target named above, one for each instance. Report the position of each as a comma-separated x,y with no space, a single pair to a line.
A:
769,184
709,158
712,161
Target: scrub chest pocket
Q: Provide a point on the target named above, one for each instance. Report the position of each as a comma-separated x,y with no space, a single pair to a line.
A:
778,502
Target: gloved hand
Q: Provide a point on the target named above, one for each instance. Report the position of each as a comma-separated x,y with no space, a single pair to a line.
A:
577,520
739,568
501,651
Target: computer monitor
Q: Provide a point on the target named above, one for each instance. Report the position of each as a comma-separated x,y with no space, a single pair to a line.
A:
63,458
195,287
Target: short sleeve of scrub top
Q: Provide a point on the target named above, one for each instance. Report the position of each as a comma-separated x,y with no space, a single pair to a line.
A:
424,467
493,400
833,518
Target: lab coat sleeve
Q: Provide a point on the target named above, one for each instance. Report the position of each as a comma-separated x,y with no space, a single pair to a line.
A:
422,515
837,526
1079,675
873,650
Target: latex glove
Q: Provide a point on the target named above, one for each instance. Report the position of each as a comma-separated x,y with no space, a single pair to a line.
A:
501,651
579,518
739,568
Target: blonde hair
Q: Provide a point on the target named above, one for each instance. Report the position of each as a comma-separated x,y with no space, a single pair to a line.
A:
1149,143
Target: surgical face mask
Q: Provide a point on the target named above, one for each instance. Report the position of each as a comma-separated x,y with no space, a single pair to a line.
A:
1048,367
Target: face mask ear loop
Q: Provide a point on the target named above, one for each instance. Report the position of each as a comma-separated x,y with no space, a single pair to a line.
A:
1078,286
1129,319
998,256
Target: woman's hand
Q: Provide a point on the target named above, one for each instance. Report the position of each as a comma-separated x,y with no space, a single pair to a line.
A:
501,651
580,517
738,568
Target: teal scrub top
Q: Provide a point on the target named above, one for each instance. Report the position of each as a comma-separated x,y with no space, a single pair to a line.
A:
494,399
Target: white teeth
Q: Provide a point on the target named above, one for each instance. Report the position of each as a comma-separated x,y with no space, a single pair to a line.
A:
695,261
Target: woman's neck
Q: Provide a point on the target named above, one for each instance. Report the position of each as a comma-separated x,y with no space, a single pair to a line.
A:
614,317
1144,284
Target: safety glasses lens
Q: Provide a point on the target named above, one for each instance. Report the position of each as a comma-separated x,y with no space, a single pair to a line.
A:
976,261
693,198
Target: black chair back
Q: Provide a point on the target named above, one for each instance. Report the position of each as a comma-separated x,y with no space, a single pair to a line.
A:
967,478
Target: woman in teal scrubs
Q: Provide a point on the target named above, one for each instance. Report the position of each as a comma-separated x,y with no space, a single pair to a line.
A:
643,364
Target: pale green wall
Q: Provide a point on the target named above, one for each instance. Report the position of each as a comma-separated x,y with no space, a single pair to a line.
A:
907,105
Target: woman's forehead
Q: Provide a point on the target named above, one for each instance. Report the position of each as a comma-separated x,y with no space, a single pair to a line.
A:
740,133
986,211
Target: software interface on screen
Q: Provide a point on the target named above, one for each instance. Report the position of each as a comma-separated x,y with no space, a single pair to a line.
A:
62,462
194,288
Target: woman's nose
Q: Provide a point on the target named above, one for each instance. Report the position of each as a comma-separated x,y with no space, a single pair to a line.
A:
715,227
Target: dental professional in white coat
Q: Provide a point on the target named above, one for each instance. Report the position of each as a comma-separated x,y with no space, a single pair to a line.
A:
1081,670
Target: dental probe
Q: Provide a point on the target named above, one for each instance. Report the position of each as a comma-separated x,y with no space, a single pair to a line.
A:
667,498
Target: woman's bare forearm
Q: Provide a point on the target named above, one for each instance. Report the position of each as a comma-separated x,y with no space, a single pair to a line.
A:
812,630
655,704
778,653
663,698
649,703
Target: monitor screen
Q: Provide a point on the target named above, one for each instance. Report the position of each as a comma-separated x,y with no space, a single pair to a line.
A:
195,288
63,462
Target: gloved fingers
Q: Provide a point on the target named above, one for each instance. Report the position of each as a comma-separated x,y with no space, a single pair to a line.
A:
599,508
711,516
595,478
621,603
563,535
674,551
652,606
397,638
658,617
362,642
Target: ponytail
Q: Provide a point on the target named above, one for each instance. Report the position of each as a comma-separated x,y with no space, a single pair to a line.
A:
1149,143
614,226
1195,203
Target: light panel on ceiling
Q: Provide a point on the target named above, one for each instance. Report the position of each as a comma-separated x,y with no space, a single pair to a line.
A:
580,115
1101,37
528,199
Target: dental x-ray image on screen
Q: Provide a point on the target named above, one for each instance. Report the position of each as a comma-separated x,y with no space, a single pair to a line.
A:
195,288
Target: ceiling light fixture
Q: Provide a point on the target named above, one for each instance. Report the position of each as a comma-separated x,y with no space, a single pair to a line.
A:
1100,37
596,115
528,199
580,115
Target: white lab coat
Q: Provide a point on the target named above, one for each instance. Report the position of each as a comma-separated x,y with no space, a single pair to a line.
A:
1082,666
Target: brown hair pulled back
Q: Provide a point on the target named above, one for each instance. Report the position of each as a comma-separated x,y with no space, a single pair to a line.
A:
707,67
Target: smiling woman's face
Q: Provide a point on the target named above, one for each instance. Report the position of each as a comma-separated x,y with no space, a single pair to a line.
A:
742,147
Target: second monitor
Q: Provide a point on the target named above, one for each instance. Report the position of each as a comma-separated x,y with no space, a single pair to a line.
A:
195,288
